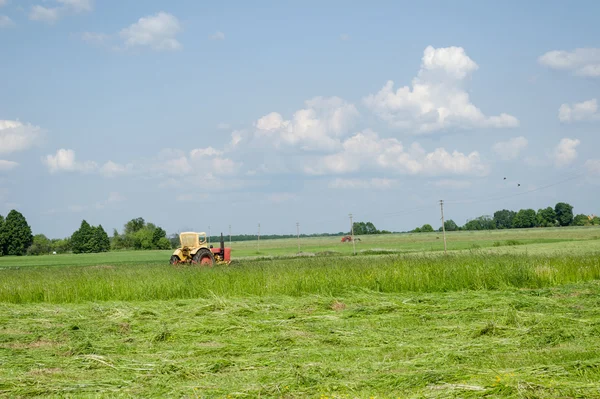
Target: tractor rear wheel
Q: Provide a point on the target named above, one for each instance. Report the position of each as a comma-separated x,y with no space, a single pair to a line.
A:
174,260
204,257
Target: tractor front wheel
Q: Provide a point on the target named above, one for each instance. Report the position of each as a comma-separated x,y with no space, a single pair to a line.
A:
204,257
174,260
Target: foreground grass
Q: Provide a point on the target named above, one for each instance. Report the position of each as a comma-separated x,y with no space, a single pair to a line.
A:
540,343
295,277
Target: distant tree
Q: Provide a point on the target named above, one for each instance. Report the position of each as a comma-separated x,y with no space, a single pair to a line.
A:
2,239
426,228
134,225
163,243
416,230
117,241
61,246
481,223
546,217
564,213
100,240
581,220
81,238
504,219
15,234
41,245
449,225
157,234
371,229
596,221
525,218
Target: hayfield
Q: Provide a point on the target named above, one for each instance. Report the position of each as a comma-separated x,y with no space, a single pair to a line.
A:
504,314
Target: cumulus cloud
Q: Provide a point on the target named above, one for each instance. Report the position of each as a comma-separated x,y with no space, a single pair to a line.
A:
581,61
584,111
64,161
565,152
217,36
157,31
113,169
7,165
367,150
6,22
52,14
437,99
316,127
509,150
16,136
206,162
363,184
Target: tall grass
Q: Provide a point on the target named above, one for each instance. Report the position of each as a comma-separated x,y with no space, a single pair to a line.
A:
295,277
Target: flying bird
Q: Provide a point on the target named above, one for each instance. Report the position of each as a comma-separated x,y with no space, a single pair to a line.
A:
505,178
519,185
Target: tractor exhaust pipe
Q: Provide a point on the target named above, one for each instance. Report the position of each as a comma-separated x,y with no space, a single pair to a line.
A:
222,245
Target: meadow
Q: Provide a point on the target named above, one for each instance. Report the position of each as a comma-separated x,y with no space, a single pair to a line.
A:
504,314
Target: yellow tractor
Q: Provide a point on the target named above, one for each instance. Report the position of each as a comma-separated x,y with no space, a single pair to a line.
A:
195,249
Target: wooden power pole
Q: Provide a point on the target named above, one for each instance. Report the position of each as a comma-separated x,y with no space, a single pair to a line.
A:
443,227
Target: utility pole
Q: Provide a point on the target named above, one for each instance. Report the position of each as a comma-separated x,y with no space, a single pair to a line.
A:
230,236
298,234
258,240
352,234
443,227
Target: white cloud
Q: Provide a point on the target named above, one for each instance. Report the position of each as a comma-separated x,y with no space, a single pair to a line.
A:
367,150
155,31
64,160
437,99
112,169
7,165
565,152
509,150
587,110
452,184
217,36
581,61
6,22
223,126
77,5
16,136
205,162
94,38
363,184
39,13
316,127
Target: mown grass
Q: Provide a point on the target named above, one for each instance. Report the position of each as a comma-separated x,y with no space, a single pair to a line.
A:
517,343
295,277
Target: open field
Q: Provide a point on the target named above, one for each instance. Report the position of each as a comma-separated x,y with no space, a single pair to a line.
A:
505,314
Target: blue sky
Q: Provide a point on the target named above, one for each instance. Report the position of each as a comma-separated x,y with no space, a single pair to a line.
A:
192,114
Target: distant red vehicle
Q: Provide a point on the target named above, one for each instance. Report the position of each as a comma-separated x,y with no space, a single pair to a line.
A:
349,239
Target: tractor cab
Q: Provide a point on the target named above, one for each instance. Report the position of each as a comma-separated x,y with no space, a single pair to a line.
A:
192,240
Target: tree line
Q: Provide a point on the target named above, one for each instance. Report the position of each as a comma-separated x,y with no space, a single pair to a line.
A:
560,215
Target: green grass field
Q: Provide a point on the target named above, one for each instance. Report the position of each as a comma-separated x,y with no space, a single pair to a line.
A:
504,314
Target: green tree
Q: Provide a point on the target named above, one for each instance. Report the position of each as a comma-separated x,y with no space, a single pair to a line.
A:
41,245
449,225
134,225
61,246
481,223
546,217
504,219
15,234
417,230
371,229
2,239
81,240
100,241
157,234
564,213
596,221
525,218
163,243
581,220
426,228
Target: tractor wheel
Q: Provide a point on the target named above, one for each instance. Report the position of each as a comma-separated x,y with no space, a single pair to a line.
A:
174,260
204,257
